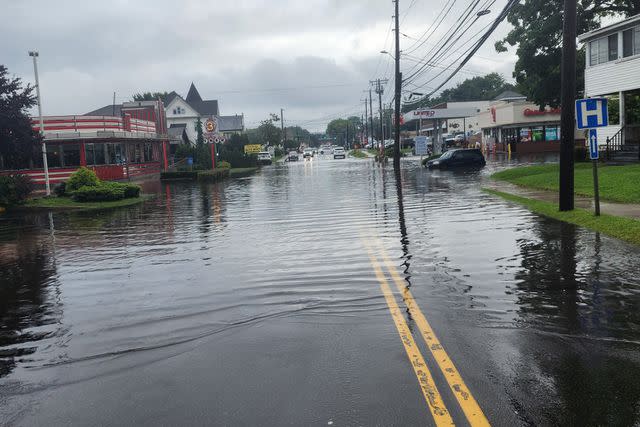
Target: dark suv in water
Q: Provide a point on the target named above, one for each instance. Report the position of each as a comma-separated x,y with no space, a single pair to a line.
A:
458,158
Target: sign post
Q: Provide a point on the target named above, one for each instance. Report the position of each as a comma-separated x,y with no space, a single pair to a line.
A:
594,155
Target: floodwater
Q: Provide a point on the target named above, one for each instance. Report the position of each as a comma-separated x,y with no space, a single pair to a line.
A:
256,301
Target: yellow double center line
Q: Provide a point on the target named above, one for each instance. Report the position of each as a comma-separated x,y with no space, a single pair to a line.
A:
441,416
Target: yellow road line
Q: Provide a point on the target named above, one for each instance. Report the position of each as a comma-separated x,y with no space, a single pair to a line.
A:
469,405
436,405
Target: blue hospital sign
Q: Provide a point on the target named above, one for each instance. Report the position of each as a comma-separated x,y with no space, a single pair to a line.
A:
591,113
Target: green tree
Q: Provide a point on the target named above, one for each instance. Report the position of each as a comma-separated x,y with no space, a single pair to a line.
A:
200,135
19,144
537,33
149,96
480,88
268,133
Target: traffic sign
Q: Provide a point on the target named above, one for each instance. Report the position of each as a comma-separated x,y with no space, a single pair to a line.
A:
592,113
593,144
421,145
210,126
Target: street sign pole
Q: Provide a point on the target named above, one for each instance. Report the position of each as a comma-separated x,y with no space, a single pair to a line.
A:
594,154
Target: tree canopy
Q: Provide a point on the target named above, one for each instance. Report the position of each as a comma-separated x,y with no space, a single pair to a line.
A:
149,96
478,88
19,144
537,33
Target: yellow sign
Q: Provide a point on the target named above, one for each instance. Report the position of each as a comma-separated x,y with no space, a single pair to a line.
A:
252,148
210,125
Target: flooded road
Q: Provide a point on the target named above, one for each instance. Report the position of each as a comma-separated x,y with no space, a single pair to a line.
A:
317,293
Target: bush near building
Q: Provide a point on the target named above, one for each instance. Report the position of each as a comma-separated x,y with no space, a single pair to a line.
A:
85,186
15,189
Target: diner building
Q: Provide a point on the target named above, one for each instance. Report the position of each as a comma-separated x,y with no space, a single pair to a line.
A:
129,142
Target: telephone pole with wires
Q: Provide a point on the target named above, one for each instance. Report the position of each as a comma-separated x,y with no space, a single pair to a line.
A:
398,81
379,89
371,117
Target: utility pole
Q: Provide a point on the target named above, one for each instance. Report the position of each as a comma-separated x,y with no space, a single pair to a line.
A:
371,115
47,185
396,146
114,104
567,100
282,126
365,121
379,88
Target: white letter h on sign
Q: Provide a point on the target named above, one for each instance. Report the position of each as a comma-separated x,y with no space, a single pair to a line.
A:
588,113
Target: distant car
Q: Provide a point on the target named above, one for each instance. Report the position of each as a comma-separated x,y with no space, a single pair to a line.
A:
308,152
339,153
325,150
458,158
293,156
264,158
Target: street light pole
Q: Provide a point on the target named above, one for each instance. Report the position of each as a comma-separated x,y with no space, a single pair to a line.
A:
396,146
34,55
567,100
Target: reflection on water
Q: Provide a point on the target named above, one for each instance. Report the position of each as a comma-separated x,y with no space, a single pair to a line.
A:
547,311
30,308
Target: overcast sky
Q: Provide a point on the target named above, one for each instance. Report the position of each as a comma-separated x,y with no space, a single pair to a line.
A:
314,58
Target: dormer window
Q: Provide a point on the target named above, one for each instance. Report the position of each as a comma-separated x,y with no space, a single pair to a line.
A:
178,110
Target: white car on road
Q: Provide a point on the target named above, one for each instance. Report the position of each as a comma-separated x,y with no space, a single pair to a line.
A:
339,153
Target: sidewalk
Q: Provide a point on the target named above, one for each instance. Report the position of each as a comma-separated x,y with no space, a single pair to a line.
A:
617,209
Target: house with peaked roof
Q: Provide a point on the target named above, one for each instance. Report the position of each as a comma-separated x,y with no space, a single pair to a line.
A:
183,115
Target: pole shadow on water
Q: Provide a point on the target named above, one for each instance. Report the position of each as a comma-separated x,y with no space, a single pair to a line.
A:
577,362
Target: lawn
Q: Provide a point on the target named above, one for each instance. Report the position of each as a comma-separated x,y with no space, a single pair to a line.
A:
617,183
358,153
622,228
67,203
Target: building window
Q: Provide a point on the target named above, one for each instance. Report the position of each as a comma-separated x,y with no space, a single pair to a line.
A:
178,110
525,134
631,42
603,50
53,156
89,154
551,133
537,134
613,106
70,155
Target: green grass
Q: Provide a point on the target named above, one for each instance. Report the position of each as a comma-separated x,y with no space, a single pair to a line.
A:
617,183
622,228
358,153
67,203
241,172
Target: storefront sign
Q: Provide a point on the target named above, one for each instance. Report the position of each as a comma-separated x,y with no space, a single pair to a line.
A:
530,112
252,148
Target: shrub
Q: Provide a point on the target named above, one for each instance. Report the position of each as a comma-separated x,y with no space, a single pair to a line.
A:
224,165
83,177
179,175
60,190
15,189
105,191
131,190
213,175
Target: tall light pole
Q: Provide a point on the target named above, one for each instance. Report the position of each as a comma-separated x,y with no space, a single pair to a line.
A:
396,146
34,55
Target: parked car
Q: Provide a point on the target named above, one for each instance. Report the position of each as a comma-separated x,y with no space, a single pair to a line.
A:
458,158
293,156
308,152
339,153
264,158
325,149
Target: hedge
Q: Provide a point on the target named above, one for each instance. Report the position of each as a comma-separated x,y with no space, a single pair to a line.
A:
105,191
213,175
179,175
14,189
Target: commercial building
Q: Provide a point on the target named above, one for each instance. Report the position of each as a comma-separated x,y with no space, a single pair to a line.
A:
613,72
129,142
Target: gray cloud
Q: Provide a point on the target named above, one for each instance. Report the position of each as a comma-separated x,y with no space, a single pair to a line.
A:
314,58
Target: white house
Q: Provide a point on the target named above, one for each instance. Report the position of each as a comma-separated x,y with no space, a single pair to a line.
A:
613,71
183,114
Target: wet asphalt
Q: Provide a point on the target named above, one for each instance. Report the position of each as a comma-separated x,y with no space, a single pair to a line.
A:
299,296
